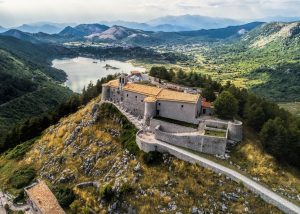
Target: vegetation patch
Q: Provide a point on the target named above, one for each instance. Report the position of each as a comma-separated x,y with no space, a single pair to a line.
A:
128,133
107,193
64,195
22,177
215,133
152,158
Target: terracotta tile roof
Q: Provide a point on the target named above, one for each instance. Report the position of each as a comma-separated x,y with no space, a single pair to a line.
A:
44,199
150,99
112,83
206,104
155,92
170,95
142,89
135,72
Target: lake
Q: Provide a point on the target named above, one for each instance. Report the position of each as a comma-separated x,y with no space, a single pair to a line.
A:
81,70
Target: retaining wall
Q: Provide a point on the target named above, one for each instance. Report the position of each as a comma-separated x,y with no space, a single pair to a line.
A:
170,127
193,141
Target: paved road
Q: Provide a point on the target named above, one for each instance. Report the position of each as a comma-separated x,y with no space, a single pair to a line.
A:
268,195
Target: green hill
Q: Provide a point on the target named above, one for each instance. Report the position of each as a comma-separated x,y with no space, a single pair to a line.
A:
27,89
266,60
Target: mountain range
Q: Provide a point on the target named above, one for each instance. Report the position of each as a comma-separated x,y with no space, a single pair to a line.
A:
121,34
45,27
194,22
165,24
177,23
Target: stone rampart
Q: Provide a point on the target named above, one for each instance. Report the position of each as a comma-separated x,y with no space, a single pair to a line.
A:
170,127
193,140
267,195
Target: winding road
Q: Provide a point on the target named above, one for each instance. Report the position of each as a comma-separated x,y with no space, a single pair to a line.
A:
269,196
147,142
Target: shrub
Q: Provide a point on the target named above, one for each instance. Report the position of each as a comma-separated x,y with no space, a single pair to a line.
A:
126,188
132,147
20,197
152,158
64,195
22,177
107,193
20,150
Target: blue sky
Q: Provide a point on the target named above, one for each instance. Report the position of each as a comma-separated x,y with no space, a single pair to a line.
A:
15,12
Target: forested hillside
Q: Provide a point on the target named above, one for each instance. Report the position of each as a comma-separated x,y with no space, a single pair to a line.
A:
27,88
266,60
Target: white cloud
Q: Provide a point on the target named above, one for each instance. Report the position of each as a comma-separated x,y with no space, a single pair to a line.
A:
14,12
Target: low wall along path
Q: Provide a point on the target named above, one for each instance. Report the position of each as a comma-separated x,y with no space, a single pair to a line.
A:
147,143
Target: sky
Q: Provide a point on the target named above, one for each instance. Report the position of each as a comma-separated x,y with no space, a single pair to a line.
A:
16,12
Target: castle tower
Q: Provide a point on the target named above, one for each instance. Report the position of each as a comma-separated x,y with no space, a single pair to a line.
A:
105,92
123,79
235,129
150,109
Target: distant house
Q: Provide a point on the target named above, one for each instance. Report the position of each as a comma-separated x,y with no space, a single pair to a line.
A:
207,108
41,200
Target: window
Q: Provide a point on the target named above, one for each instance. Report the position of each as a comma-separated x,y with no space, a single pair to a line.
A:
159,104
135,97
141,100
181,106
126,95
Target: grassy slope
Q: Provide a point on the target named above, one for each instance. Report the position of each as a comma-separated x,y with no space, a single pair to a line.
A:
250,156
190,185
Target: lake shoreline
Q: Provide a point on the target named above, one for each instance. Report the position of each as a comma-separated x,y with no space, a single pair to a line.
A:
83,70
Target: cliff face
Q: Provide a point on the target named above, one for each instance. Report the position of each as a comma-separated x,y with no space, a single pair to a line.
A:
89,151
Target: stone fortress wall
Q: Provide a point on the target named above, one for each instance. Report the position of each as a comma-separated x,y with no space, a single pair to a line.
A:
170,127
134,102
193,140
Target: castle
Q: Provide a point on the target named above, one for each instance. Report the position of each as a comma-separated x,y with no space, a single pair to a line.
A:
164,112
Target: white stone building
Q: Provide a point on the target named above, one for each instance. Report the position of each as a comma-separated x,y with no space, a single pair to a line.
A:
147,102
162,111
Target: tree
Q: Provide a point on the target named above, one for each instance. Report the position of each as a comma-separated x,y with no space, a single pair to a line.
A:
274,136
254,115
209,94
226,106
64,195
180,76
160,72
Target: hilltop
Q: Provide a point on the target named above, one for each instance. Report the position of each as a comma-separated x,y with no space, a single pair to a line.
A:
101,152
